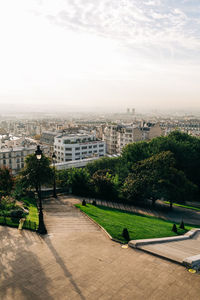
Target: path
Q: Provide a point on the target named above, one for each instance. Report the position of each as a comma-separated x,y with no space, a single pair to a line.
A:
80,262
177,251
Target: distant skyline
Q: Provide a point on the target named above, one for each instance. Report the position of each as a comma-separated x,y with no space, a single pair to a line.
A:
86,54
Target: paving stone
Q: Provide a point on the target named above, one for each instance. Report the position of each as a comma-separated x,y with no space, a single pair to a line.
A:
71,263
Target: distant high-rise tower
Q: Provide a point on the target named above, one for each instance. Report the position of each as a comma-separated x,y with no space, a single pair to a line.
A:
128,110
133,111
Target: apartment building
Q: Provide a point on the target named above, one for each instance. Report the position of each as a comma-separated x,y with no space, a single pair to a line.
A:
13,158
78,146
47,139
117,137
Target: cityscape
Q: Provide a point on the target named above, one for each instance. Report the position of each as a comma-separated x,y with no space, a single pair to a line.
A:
99,150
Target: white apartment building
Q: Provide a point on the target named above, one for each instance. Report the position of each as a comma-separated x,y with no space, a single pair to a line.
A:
117,137
13,158
77,146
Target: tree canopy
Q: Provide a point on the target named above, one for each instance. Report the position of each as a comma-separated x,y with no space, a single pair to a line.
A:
6,181
36,172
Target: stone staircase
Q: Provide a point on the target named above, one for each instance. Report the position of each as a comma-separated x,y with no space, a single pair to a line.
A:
61,217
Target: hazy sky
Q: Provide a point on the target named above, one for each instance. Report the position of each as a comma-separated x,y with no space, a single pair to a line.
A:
95,53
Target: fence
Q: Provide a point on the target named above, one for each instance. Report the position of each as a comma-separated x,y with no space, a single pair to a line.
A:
14,222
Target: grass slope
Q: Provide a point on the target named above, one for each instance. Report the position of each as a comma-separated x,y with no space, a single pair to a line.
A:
139,226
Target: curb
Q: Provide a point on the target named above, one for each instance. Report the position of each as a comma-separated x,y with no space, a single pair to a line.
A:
192,261
188,235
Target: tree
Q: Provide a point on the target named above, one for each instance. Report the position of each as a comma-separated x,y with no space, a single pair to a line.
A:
36,172
79,181
157,177
105,184
6,181
135,152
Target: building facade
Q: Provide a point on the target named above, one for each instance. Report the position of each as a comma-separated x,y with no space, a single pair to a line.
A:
117,137
14,158
68,147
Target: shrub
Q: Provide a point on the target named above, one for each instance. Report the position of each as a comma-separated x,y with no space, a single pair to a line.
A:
182,225
174,228
84,202
94,203
125,234
16,214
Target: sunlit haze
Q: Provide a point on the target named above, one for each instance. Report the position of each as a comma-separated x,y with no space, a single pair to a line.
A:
84,54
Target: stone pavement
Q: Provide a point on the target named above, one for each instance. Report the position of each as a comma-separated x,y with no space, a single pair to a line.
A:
78,261
177,251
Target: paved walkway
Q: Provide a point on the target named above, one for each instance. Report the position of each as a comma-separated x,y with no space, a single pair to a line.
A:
177,251
80,262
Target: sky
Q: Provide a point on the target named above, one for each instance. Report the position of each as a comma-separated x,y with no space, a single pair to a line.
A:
111,54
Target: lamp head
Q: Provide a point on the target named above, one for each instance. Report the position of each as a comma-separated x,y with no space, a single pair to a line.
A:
38,153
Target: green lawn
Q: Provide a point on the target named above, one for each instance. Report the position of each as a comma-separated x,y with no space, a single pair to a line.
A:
33,214
32,207
139,226
184,206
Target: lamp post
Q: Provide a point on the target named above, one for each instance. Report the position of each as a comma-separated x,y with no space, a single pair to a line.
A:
54,175
41,227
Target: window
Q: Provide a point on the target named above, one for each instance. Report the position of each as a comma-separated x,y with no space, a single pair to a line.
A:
94,146
4,162
67,141
77,153
4,156
77,148
85,152
68,149
22,165
101,145
84,147
90,147
101,150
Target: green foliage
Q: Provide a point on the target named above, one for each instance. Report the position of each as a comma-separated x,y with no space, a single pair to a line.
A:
7,203
105,184
157,177
36,172
17,214
6,181
103,164
135,152
79,181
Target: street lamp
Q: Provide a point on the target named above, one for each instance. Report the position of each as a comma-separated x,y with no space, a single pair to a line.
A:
54,175
41,228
